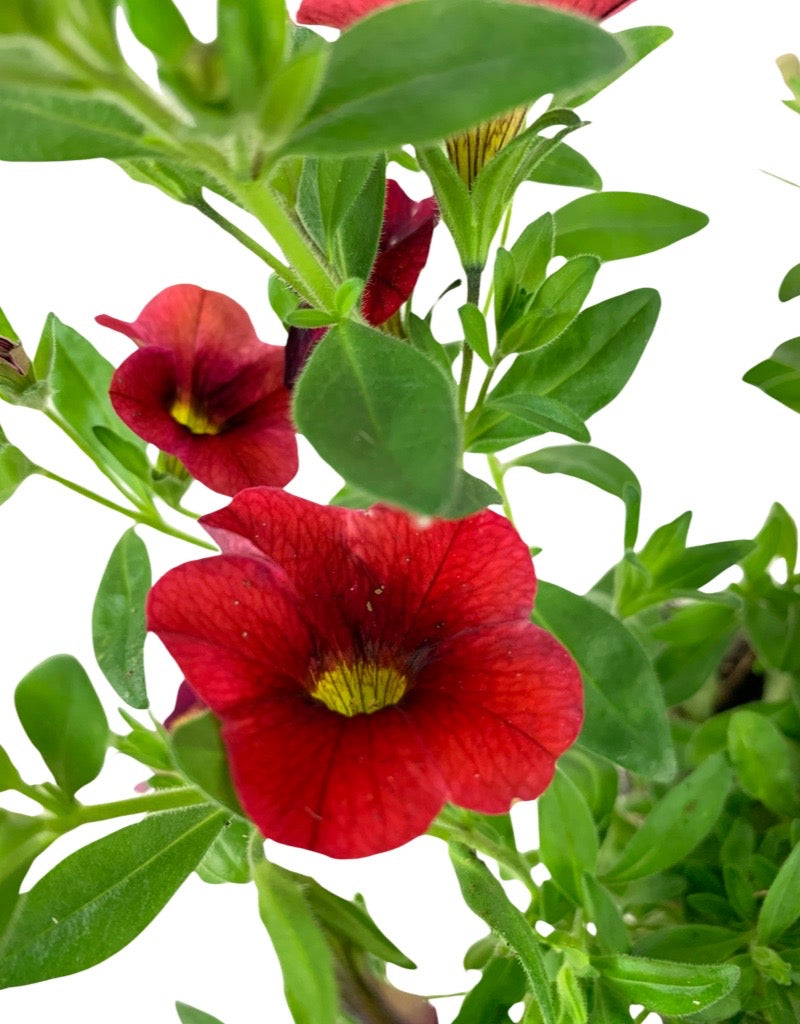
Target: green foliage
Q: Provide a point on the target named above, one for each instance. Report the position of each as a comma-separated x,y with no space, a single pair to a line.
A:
790,285
383,416
565,166
568,843
65,721
485,896
200,756
617,225
102,896
779,376
118,621
15,467
305,958
625,719
584,368
191,1015
596,467
373,98
665,986
766,763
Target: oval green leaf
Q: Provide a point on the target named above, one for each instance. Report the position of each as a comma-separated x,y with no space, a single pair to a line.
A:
102,896
616,225
407,73
764,761
118,620
64,720
191,1015
664,986
781,906
383,416
200,755
678,822
779,376
568,841
306,962
625,718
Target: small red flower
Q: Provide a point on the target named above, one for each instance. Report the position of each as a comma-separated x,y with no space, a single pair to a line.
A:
204,388
402,253
341,13
368,668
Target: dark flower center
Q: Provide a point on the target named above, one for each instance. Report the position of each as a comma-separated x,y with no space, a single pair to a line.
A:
360,689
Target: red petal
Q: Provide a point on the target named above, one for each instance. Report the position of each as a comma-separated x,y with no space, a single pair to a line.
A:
347,787
256,444
402,253
495,710
444,577
233,626
590,8
337,13
209,334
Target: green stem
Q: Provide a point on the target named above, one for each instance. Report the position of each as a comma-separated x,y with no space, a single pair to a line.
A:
284,272
161,800
512,861
487,380
314,281
77,440
497,469
143,516
473,275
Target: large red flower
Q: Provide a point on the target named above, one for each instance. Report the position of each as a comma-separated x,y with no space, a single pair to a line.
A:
367,667
402,253
204,388
341,13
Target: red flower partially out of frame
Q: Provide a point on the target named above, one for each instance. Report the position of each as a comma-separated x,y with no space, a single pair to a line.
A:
402,253
367,668
341,13
203,387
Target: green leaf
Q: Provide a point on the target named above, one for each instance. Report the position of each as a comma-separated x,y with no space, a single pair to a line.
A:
533,251
350,921
664,986
585,367
453,198
226,860
781,906
485,896
191,1015
78,378
355,242
130,456
568,841
777,538
677,823
790,285
407,73
102,896
595,777
555,305
501,985
596,467
565,166
470,495
625,718
64,720
475,332
9,776
691,943
200,755
766,764
772,623
160,26
382,415
15,467
697,637
118,621
638,42
601,908
291,91
543,414
616,225
38,123
306,962
422,338
22,839
779,376
251,38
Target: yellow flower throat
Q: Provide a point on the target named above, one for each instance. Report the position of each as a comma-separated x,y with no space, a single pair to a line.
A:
360,689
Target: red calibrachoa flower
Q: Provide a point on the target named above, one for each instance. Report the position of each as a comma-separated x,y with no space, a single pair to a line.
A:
367,668
203,387
403,250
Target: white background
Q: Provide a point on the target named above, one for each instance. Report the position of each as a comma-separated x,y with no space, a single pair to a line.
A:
696,122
